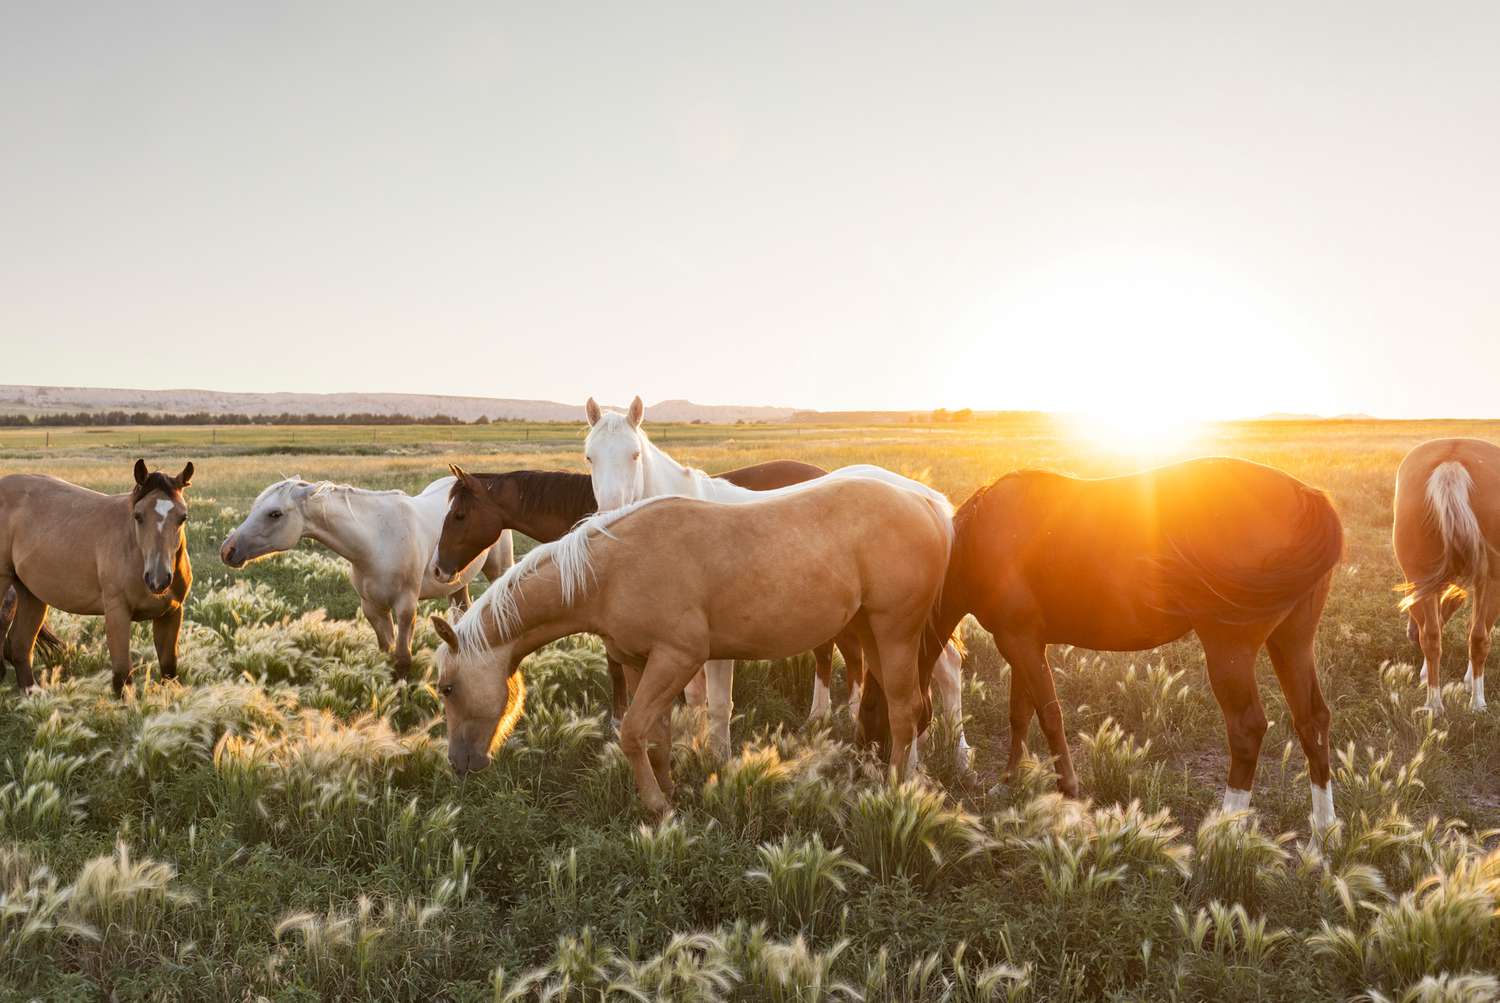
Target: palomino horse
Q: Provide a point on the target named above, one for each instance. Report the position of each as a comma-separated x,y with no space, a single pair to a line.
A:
546,504
120,556
386,536
1447,523
1239,553
626,467
669,583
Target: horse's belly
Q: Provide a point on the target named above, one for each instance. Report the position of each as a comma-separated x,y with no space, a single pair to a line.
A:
779,633
67,587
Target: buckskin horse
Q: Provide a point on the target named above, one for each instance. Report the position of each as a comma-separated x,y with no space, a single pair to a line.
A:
123,557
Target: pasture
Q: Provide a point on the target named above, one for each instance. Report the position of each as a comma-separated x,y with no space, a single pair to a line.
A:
284,824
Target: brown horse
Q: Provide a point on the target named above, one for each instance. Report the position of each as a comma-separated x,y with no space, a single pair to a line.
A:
1447,525
120,556
672,582
1239,553
546,504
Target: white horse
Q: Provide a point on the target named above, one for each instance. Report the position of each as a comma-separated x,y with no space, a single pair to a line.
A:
627,467
388,538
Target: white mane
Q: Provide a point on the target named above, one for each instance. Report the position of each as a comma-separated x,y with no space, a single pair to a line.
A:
569,554
283,489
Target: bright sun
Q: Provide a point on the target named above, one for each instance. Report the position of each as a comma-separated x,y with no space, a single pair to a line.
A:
1140,433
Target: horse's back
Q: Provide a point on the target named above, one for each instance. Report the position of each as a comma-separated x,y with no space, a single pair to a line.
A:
772,474
1127,562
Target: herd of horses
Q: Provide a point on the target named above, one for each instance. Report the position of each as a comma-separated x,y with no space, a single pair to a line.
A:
681,573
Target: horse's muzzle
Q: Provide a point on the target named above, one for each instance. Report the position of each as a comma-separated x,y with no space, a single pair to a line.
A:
228,555
157,581
464,762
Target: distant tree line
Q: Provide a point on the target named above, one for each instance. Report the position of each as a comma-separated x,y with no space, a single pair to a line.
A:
116,418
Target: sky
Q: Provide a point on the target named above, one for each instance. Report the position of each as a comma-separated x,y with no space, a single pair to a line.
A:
1171,209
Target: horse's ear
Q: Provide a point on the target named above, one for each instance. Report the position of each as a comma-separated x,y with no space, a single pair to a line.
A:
186,477
459,472
637,412
140,473
445,631
592,410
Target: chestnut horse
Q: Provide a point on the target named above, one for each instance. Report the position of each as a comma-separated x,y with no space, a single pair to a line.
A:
546,504
1447,525
120,556
1236,552
672,582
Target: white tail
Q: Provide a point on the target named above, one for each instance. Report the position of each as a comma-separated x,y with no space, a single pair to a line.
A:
1465,552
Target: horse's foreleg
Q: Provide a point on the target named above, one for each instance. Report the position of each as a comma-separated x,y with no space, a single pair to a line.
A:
619,697
20,640
1230,654
164,632
1032,690
117,636
405,614
854,666
822,702
641,739
719,676
380,619
906,704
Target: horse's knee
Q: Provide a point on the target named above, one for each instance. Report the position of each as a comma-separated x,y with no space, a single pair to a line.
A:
1247,732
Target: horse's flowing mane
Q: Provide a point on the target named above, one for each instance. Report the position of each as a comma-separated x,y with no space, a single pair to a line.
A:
286,484
546,492
500,603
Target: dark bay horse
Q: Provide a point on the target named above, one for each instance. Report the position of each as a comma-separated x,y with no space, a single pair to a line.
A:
1446,530
121,556
1239,553
546,504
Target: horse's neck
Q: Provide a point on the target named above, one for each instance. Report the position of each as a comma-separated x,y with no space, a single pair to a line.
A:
342,522
665,476
541,614
517,514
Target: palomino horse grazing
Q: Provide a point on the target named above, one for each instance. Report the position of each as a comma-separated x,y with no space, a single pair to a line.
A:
546,504
626,467
1447,525
671,582
386,536
120,556
1239,553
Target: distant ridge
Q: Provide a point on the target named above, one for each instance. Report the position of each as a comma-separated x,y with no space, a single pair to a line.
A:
38,400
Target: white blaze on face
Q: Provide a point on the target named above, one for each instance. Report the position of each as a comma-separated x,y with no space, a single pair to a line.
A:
163,509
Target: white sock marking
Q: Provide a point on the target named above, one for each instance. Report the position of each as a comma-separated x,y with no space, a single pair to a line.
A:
1322,806
1235,800
855,692
1479,692
1469,675
821,701
1435,699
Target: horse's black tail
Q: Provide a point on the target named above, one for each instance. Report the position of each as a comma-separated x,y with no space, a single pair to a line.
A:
1466,553
1193,586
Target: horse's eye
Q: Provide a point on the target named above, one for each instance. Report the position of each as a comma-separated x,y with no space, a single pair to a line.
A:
637,456
458,517
275,513
184,517
137,517
446,689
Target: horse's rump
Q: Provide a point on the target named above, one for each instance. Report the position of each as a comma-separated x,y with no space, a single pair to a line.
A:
1190,581
1448,514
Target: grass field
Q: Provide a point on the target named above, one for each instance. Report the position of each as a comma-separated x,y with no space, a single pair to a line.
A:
284,823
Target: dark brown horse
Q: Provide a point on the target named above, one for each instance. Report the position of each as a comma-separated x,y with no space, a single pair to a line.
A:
120,556
1236,552
546,504
1446,531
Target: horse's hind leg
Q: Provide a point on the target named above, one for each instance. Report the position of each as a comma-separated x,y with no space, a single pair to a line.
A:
906,704
719,677
1427,615
822,698
380,619
1230,653
405,616
1486,611
1292,655
20,640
